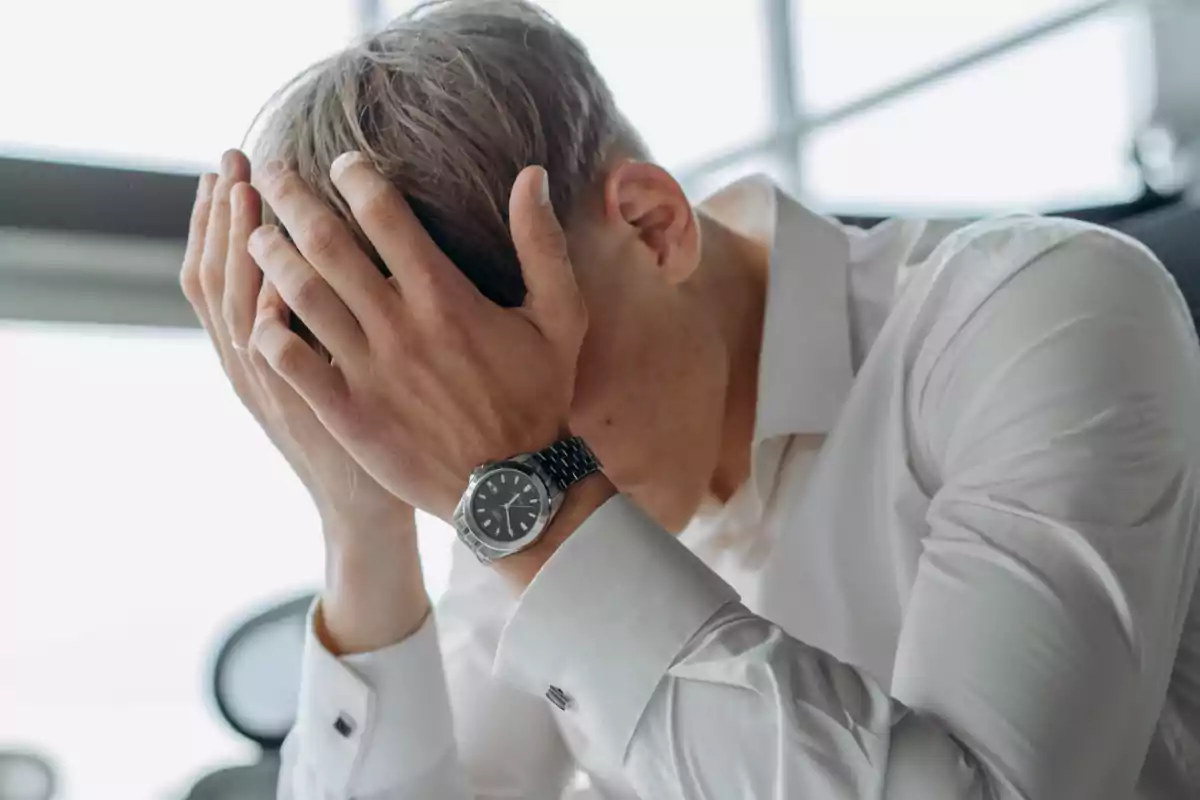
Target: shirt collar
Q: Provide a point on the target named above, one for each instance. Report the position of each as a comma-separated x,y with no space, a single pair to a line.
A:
805,365
812,326
805,362
830,290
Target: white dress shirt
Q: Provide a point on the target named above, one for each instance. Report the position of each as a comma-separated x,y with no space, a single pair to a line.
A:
978,583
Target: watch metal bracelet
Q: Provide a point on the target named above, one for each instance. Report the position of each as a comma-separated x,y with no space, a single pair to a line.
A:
482,550
567,461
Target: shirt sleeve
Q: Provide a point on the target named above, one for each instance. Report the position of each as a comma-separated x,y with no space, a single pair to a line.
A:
424,718
1039,635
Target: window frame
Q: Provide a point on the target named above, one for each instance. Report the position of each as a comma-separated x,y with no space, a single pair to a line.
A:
53,214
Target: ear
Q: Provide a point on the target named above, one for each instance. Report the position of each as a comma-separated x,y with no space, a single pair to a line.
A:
645,197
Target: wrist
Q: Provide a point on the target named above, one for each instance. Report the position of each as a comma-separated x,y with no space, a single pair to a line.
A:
374,592
580,502
360,525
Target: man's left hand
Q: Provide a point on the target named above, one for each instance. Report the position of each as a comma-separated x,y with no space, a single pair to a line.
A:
429,379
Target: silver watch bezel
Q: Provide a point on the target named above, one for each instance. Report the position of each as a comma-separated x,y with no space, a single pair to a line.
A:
487,548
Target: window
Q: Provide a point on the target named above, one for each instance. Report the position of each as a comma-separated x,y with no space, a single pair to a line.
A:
144,514
144,82
1048,125
849,48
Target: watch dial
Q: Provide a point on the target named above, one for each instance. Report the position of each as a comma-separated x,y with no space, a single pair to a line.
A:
506,505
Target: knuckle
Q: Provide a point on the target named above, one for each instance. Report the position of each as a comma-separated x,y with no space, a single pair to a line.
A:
308,292
376,205
546,238
189,282
258,361
229,312
553,244
213,260
270,245
210,284
208,266
577,315
290,357
438,308
285,187
321,236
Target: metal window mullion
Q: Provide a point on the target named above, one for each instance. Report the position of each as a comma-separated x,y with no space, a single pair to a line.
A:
783,76
803,125
370,15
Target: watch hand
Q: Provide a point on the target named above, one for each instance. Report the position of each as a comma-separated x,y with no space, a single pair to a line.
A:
508,519
514,499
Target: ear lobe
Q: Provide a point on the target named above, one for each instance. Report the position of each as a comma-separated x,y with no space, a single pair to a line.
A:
646,198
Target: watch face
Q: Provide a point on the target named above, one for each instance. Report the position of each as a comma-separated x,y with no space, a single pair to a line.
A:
506,505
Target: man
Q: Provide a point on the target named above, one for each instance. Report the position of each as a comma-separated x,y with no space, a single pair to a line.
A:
939,516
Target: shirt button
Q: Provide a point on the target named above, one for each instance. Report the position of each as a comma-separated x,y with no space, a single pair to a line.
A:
559,698
344,725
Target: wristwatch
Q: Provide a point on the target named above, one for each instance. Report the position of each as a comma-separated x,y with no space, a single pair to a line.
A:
509,504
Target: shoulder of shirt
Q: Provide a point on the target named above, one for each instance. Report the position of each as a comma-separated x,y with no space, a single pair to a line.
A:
978,258
976,262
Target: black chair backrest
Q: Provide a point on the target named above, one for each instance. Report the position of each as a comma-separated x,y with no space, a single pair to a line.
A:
254,682
1173,233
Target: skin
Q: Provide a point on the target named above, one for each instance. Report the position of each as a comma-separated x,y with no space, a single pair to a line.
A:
640,333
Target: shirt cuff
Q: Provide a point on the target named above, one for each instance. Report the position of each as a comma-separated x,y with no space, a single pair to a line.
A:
372,721
605,618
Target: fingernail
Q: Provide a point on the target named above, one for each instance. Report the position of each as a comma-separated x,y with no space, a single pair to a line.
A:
545,188
273,169
261,235
228,160
341,162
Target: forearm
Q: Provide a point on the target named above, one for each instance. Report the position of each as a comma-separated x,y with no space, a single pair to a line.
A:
403,720
374,591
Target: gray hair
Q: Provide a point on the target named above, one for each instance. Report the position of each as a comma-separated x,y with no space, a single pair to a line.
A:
450,102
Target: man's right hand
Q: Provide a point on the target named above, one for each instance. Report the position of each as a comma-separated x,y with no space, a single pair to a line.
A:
374,594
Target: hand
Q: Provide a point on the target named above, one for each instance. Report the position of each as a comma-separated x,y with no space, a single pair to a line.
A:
226,289
421,389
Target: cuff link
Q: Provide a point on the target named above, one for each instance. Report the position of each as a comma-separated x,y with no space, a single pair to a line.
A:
344,725
560,698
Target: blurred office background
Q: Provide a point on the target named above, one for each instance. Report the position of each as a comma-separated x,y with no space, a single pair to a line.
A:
142,514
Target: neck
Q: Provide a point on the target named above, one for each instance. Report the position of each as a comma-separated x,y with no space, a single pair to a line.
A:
735,269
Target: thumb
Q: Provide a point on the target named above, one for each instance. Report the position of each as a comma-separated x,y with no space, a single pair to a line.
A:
552,298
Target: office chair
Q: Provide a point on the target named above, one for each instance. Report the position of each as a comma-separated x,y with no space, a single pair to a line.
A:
26,776
1173,234
255,686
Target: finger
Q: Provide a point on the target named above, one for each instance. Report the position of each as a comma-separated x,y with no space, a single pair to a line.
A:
417,264
242,276
552,295
290,358
189,273
307,294
269,299
216,243
325,241
268,382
